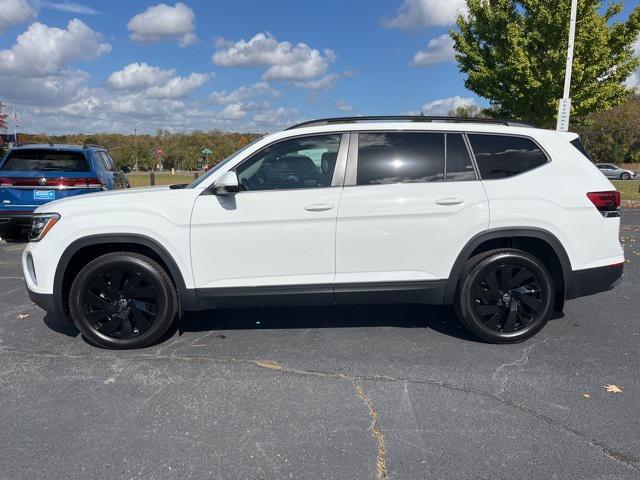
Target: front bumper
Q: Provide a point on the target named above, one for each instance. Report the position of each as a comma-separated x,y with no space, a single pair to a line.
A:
595,280
43,300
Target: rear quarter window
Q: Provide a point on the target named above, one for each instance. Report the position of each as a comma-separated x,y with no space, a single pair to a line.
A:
45,161
502,156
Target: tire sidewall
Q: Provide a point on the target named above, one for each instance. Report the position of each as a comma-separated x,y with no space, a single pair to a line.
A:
466,301
166,310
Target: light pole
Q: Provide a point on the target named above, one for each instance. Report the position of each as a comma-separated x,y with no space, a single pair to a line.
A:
564,109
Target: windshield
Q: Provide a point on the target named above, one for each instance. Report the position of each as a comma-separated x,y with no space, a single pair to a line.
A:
217,167
45,160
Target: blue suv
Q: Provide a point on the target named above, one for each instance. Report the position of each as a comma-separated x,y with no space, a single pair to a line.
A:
32,175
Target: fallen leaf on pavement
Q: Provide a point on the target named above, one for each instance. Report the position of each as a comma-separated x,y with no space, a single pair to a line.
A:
23,315
586,395
611,388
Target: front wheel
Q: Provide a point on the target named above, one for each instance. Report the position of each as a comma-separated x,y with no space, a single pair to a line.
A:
505,296
625,176
123,300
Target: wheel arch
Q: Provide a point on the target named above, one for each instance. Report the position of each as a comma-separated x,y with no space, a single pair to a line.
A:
524,239
87,248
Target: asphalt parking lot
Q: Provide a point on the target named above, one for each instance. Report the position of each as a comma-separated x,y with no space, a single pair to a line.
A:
398,392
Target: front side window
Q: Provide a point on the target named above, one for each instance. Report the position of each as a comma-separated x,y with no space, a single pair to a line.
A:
303,162
501,156
400,157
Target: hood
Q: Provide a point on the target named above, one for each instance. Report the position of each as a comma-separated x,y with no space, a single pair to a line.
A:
113,199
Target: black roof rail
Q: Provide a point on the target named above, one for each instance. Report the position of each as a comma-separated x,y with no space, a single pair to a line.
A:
411,118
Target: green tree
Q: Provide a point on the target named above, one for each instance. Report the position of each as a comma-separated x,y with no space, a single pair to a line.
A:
514,55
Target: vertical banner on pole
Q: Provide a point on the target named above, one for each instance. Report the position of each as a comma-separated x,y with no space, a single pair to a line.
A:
564,108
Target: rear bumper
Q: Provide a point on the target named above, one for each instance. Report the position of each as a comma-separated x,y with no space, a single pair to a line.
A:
16,218
595,280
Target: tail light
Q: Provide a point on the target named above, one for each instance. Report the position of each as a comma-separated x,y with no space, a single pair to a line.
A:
607,203
51,182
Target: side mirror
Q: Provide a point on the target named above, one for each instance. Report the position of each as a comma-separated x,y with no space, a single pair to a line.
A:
227,184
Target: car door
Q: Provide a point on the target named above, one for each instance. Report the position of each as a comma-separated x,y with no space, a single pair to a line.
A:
277,235
410,203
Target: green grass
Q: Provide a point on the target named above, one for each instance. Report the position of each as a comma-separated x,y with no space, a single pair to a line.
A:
629,190
142,179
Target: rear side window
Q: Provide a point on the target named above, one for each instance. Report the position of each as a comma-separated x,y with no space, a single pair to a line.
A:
580,147
400,157
501,156
45,160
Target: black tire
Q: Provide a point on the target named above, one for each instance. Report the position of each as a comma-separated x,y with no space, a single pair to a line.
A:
505,296
123,300
625,176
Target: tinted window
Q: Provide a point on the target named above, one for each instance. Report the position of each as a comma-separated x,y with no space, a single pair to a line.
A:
500,156
45,160
459,166
109,161
578,144
306,162
394,157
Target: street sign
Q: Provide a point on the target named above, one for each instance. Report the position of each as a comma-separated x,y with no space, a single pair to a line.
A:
206,152
564,112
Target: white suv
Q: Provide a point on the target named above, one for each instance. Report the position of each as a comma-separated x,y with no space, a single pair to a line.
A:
501,220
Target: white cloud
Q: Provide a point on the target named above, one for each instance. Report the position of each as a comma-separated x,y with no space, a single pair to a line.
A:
243,92
445,105
287,62
179,86
343,106
163,22
633,80
233,111
275,118
154,81
416,14
14,12
137,76
43,50
323,83
71,7
439,49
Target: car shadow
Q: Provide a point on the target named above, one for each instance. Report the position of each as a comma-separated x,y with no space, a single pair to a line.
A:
61,325
438,318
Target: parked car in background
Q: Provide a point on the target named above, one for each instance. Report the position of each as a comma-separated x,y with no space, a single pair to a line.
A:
32,175
613,171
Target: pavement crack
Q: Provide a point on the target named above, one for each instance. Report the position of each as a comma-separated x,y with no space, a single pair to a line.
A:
619,457
502,369
381,466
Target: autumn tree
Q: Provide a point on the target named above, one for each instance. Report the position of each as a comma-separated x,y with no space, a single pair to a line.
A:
514,55
3,127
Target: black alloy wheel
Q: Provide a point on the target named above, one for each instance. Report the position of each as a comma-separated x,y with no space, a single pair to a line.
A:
505,296
123,300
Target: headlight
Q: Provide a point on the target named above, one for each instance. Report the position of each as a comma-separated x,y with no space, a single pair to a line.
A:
42,223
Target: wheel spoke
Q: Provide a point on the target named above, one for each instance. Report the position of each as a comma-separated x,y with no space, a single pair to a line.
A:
487,309
96,316
143,292
131,283
99,302
505,276
140,320
101,286
126,329
492,282
530,301
115,282
111,326
521,277
494,322
510,322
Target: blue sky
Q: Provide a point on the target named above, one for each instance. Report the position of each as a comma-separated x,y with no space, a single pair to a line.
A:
234,65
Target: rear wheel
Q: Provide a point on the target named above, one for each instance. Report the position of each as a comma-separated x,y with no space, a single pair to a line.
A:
123,300
625,176
505,296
